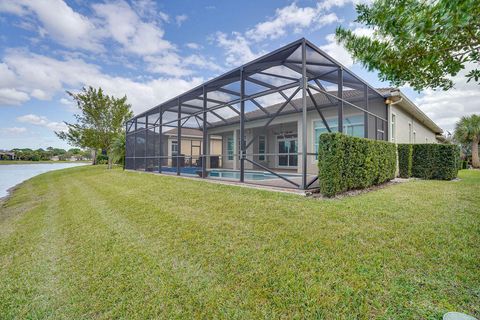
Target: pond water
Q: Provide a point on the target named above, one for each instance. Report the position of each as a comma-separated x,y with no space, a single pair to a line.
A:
13,174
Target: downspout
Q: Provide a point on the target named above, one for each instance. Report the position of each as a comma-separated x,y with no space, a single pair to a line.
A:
390,103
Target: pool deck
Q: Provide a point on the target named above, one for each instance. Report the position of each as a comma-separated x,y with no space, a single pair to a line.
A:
277,185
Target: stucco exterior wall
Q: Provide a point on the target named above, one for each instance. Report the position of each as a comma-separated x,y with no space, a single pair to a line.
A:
408,129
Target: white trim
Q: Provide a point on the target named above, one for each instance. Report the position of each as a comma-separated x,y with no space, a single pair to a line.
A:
265,148
393,135
277,154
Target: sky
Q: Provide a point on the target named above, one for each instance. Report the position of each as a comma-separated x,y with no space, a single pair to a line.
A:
152,51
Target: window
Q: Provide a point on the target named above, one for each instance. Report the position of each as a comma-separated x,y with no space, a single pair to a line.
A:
409,132
352,126
230,146
174,148
261,148
393,128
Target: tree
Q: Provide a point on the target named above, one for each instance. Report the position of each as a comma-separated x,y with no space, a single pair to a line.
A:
118,149
467,130
417,42
74,151
100,122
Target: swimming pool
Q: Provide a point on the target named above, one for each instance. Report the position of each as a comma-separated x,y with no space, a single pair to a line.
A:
229,174
249,175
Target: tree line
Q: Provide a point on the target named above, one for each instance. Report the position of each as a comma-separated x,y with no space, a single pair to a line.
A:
41,154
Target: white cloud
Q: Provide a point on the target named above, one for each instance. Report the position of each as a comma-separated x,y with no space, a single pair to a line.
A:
12,7
446,107
174,65
59,21
181,19
126,27
33,119
329,4
148,9
201,62
135,28
291,17
42,121
66,102
11,96
237,48
35,73
193,45
338,51
15,130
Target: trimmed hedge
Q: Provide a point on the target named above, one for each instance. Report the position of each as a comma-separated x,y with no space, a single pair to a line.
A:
405,152
435,161
347,163
429,161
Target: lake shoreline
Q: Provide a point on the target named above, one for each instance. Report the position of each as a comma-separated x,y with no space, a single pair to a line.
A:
13,175
12,162
10,192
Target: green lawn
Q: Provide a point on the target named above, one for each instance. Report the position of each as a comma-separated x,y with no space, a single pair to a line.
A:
91,243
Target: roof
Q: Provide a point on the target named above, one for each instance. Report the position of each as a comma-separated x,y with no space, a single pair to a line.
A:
185,132
322,101
283,61
276,72
402,101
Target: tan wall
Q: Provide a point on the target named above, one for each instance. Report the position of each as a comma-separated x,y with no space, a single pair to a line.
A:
195,152
293,121
402,132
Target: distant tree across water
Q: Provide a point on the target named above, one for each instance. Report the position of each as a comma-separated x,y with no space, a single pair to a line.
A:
49,153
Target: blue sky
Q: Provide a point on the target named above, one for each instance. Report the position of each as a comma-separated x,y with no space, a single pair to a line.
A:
152,51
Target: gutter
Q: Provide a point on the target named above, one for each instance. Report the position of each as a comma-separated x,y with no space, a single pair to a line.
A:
413,109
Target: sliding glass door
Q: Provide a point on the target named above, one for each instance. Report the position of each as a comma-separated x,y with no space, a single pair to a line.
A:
287,151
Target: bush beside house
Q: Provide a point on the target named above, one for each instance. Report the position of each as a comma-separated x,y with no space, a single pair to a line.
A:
347,163
428,161
405,160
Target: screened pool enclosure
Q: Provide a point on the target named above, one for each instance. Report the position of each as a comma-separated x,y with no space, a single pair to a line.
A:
258,123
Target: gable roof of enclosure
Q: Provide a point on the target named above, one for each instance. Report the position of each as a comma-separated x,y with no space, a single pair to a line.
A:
275,72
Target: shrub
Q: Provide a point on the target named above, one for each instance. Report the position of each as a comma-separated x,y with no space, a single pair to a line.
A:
347,163
435,161
102,159
405,160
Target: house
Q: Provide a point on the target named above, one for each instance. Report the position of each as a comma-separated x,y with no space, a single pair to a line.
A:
191,145
261,121
409,124
7,155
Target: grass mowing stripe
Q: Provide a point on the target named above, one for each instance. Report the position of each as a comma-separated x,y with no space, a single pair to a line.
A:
145,198
30,277
141,246
127,241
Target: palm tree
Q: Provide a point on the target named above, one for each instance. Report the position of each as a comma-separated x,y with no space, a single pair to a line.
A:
117,151
467,130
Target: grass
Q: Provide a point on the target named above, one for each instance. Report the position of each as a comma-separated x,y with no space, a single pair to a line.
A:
88,242
5,162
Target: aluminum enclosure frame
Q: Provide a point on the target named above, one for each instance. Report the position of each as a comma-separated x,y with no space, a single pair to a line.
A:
299,68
